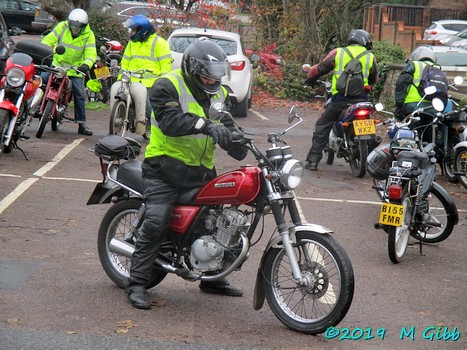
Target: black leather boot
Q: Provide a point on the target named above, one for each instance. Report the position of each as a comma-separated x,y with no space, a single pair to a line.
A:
84,130
138,297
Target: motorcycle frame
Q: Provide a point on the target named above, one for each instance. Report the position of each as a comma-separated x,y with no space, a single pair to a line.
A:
60,91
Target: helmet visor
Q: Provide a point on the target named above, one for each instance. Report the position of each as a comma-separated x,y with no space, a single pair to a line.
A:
214,70
76,27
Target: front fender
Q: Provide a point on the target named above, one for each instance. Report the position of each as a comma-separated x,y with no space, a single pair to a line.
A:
460,144
8,105
276,242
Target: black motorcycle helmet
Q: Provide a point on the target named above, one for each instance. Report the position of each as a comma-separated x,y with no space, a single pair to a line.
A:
205,58
360,37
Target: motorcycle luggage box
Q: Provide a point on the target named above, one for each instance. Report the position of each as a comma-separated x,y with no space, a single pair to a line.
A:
36,50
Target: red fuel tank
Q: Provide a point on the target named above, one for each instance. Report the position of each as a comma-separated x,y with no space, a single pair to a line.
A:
236,187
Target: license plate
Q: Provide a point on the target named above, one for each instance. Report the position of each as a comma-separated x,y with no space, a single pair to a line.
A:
364,127
102,72
391,214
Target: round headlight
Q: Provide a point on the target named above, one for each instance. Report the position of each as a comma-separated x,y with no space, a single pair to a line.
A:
125,78
15,77
60,72
292,173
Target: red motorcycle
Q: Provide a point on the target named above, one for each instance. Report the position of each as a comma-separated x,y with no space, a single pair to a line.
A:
19,93
57,96
304,274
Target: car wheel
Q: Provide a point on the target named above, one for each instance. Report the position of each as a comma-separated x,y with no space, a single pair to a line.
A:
241,109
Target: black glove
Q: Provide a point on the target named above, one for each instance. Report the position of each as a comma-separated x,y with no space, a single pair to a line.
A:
310,82
83,68
219,133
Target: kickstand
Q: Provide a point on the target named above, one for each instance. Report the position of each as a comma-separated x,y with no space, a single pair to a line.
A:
15,145
421,244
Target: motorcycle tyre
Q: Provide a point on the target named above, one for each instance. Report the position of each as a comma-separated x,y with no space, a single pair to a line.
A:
329,155
116,212
398,236
358,166
437,191
45,118
460,165
3,129
118,111
55,124
104,94
448,167
337,257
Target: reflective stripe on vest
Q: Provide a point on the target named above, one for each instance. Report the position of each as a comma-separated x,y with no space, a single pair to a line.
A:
412,92
194,149
342,58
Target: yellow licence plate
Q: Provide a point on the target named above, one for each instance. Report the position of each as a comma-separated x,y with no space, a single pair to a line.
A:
391,214
102,72
364,127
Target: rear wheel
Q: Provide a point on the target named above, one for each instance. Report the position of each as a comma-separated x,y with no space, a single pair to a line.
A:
118,223
117,125
398,236
45,117
448,166
358,158
460,165
324,299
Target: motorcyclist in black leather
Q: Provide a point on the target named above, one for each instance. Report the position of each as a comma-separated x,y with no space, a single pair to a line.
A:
179,158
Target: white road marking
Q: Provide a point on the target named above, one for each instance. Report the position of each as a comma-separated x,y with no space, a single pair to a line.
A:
259,114
18,191
60,155
9,175
69,179
337,200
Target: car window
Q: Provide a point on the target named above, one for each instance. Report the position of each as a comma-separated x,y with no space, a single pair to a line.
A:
451,58
27,6
433,26
180,43
9,5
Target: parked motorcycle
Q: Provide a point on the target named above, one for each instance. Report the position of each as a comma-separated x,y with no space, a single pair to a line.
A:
104,72
353,135
125,114
19,93
58,94
413,204
304,274
460,161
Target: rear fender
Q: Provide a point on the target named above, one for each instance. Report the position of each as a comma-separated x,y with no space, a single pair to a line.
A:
102,195
276,242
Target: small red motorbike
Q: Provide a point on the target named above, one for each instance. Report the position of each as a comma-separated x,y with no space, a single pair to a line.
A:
304,274
19,93
57,96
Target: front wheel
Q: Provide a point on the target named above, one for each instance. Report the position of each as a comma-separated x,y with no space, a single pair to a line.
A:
398,236
45,118
118,223
358,158
4,119
460,165
324,299
117,125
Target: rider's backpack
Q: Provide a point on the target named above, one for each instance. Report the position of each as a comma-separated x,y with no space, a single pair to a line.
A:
350,82
433,76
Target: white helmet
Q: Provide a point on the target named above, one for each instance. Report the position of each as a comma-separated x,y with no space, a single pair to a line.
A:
422,53
77,21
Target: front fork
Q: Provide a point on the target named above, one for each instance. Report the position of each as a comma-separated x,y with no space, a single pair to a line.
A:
285,236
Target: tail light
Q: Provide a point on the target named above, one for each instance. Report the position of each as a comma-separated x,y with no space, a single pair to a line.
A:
395,192
433,32
362,113
238,65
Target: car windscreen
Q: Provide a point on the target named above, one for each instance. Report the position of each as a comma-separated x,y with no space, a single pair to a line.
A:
180,43
451,58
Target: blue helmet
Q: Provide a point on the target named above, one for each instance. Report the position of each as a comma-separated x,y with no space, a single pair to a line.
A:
139,26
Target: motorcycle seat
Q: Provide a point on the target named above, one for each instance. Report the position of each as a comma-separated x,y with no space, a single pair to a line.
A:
418,159
130,174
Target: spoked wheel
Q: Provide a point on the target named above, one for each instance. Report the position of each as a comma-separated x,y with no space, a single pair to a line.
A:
441,217
358,158
326,296
45,118
398,236
460,165
4,118
117,125
117,223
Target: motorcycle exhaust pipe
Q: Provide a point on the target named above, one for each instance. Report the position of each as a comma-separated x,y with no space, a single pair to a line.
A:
120,247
